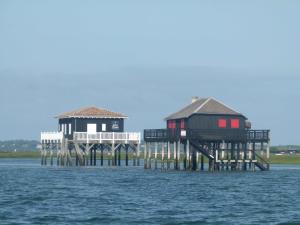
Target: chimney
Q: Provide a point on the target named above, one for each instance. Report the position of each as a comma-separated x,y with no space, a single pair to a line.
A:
194,99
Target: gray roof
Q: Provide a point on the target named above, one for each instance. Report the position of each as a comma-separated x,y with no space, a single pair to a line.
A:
204,106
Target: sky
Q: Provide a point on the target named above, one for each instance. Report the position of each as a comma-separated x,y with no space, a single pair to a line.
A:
147,59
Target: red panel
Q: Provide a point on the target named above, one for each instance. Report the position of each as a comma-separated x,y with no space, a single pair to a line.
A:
222,123
235,123
171,124
182,124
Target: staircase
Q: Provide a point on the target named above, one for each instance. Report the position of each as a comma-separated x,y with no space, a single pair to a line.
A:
202,150
262,164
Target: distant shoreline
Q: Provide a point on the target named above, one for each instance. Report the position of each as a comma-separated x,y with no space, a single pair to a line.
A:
275,159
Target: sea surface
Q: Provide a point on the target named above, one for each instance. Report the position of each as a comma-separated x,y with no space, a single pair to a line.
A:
31,194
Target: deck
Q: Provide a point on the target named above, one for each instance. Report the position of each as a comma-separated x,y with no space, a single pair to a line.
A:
165,135
99,137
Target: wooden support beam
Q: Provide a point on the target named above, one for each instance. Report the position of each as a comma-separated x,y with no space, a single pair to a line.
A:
95,156
184,157
188,157
202,162
138,154
163,156
101,155
119,155
155,155
169,155
178,154
126,154
145,155
175,155
149,156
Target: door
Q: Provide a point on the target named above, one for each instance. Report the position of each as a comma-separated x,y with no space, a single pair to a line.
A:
92,128
103,127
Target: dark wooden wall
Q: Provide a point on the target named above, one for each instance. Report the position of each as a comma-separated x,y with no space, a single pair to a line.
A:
80,125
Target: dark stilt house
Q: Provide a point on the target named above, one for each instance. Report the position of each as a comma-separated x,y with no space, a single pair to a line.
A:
208,128
84,132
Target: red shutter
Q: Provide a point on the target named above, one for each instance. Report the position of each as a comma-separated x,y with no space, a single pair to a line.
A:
235,123
171,124
222,123
182,124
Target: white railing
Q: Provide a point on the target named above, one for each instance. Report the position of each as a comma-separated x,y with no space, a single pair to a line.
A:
113,137
52,136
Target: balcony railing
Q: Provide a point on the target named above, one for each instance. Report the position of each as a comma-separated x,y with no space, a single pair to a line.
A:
156,135
113,137
258,135
52,136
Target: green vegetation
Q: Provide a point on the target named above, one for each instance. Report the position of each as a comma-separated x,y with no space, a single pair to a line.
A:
285,159
28,154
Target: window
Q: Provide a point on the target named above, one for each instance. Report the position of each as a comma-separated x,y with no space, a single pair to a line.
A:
103,127
92,128
171,124
235,123
70,128
222,123
182,124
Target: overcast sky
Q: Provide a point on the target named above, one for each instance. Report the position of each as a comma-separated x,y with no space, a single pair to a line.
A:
147,59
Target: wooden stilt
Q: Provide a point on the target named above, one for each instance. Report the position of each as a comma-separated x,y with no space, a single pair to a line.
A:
178,154
126,155
188,155
119,156
197,160
113,161
51,157
169,156
91,157
202,162
175,155
134,155
101,155
163,156
95,156
138,154
155,155
184,158
145,156
149,156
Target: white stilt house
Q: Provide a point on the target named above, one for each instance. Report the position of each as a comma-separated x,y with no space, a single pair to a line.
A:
84,132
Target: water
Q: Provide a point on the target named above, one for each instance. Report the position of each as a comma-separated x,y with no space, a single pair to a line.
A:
31,194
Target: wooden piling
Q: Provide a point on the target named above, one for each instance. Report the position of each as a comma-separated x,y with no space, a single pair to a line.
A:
126,155
169,156
101,155
163,156
178,154
184,157
175,155
202,162
145,155
155,155
138,154
149,157
119,156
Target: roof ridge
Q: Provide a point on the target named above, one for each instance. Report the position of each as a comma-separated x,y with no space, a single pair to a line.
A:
203,104
184,108
225,105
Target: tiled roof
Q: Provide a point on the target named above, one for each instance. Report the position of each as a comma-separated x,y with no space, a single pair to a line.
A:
204,106
91,112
